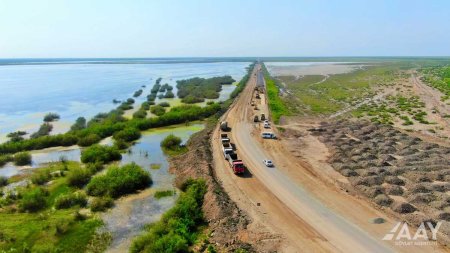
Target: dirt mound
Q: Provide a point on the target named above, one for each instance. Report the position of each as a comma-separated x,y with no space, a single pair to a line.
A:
380,161
403,207
227,223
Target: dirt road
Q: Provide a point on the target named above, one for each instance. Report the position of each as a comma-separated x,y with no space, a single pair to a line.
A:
292,200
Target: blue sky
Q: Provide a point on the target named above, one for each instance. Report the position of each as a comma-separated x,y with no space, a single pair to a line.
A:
183,28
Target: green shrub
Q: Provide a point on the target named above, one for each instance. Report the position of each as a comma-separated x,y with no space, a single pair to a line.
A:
140,114
106,124
101,204
125,106
33,200
43,130
277,106
119,181
178,228
22,158
50,117
158,110
195,89
190,99
78,177
16,136
88,140
3,181
95,167
41,177
164,104
79,124
99,153
171,142
145,106
71,199
4,159
128,134
137,93
169,94
121,144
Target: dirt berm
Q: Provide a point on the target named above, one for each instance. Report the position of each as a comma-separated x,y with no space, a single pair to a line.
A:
226,222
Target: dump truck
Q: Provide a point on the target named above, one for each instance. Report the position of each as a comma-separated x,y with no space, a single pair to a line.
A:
226,148
263,117
224,138
236,165
224,126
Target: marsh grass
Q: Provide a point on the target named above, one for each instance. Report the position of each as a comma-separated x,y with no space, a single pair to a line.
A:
162,194
155,166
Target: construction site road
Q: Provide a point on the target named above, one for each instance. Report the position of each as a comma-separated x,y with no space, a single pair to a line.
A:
310,215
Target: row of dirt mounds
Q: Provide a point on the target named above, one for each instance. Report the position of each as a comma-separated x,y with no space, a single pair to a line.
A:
226,222
391,168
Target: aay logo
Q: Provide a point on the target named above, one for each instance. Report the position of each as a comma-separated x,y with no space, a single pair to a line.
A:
402,235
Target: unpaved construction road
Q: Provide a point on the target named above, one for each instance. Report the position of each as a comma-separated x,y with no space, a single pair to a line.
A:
293,201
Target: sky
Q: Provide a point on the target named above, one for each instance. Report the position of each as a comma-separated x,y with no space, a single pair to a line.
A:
212,28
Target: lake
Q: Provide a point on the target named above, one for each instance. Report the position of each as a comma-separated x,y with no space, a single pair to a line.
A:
77,88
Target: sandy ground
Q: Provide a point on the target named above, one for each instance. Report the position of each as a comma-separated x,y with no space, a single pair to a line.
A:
432,99
298,200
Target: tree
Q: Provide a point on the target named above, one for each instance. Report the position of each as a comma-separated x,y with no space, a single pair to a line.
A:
16,136
79,124
50,117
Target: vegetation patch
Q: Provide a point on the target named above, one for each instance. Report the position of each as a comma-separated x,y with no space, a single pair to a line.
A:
46,218
43,130
100,204
276,105
119,181
196,89
99,153
179,227
172,145
158,110
155,166
438,77
394,107
22,158
162,194
50,117
127,135
241,85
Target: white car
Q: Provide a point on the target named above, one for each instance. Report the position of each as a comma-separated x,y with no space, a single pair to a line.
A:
268,163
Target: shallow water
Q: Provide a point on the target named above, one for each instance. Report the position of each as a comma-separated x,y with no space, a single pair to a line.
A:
310,68
131,213
42,157
74,90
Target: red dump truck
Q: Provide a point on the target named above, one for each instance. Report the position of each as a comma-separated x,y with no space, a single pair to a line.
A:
235,164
